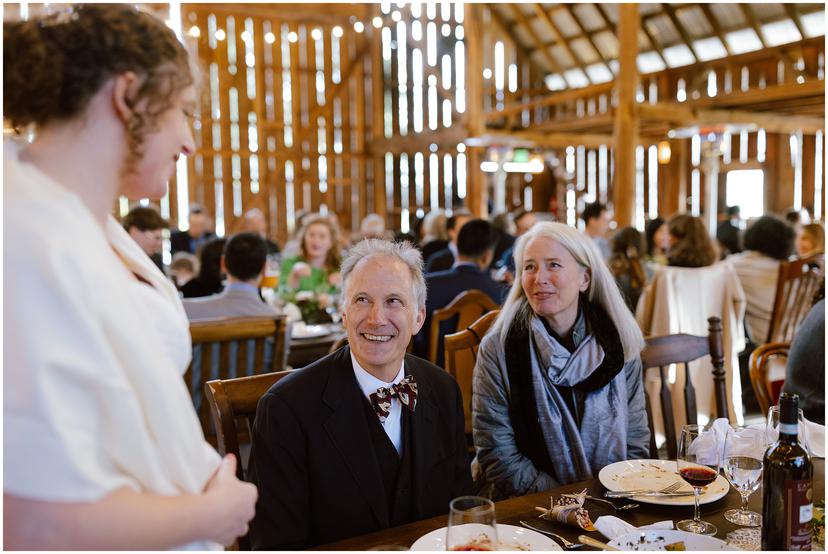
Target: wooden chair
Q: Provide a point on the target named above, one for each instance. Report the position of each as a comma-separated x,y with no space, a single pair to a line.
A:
467,306
233,408
761,359
461,355
796,285
227,343
663,351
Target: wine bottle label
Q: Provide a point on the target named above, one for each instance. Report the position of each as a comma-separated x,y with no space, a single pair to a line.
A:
798,513
788,428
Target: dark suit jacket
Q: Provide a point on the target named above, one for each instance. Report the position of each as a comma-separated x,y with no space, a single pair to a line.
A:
443,287
439,261
181,241
313,460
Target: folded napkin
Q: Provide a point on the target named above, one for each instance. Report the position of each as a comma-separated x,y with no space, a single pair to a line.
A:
703,447
815,438
569,510
613,527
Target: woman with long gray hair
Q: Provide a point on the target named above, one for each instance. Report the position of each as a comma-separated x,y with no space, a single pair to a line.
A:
558,392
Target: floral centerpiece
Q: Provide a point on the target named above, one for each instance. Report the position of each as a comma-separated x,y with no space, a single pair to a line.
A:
313,307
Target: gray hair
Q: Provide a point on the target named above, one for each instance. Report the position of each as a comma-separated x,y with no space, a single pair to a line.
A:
603,290
404,252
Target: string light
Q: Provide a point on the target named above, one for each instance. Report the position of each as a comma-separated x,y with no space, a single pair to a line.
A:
194,31
220,34
292,36
359,27
337,31
316,34
377,22
270,38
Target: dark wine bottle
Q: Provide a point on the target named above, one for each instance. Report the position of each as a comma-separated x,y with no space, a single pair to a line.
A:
787,485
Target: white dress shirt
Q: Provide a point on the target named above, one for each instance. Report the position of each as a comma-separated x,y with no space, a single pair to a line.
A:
369,385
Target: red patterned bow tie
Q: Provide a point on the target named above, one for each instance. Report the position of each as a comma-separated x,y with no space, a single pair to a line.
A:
405,391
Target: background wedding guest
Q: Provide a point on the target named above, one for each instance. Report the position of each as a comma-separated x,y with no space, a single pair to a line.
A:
243,261
444,259
596,225
558,392
183,268
657,236
524,220
102,448
254,221
367,437
434,233
146,227
690,244
805,370
627,265
729,231
196,234
317,266
810,239
210,277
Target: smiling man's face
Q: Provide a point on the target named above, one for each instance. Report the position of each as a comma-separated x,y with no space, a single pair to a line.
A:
381,314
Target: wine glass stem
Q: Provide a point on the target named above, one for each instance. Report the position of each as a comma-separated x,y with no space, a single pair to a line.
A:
744,502
696,516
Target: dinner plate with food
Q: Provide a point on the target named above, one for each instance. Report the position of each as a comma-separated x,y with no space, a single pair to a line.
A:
664,539
510,537
650,477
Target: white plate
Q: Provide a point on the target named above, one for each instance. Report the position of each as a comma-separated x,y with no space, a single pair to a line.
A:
655,475
657,539
511,537
302,331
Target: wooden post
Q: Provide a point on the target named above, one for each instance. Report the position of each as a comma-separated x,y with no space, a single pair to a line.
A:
626,119
378,119
476,189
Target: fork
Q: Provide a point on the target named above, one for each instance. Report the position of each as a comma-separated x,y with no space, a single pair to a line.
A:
672,489
569,545
621,508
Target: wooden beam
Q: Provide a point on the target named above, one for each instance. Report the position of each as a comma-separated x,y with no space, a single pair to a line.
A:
333,14
444,138
773,93
543,140
477,190
751,19
671,13
682,114
521,18
550,99
626,121
714,23
541,13
792,12
588,36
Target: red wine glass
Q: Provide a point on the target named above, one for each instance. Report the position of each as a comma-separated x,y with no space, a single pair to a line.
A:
698,464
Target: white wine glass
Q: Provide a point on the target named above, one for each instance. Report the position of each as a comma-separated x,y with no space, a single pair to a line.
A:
744,449
698,464
471,524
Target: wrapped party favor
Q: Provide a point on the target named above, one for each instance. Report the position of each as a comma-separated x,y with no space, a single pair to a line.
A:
569,510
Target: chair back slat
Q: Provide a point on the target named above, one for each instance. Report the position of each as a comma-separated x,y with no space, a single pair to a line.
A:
797,282
760,362
680,350
650,424
468,307
221,349
461,356
232,404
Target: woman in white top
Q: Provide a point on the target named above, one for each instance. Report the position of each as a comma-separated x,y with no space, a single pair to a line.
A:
102,447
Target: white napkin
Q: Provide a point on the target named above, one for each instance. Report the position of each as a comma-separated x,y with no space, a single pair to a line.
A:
703,446
613,527
815,438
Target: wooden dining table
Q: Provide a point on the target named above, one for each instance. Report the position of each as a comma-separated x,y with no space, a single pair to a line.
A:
513,510
305,351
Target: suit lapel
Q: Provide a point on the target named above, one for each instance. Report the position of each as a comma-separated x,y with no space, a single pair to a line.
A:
348,430
424,432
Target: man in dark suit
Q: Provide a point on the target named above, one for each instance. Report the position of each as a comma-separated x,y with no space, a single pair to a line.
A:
729,232
444,259
367,437
197,234
254,221
475,249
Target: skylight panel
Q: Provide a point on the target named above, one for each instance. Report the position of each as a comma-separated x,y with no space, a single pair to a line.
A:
649,62
813,24
678,55
575,78
599,73
743,41
780,32
709,49
554,82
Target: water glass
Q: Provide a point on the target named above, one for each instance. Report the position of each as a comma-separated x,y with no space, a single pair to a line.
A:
698,464
471,524
744,449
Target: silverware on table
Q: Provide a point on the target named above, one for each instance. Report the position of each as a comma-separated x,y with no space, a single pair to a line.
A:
569,545
612,505
589,541
669,490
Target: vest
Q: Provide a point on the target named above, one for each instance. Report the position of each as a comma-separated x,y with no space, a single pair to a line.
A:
395,470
